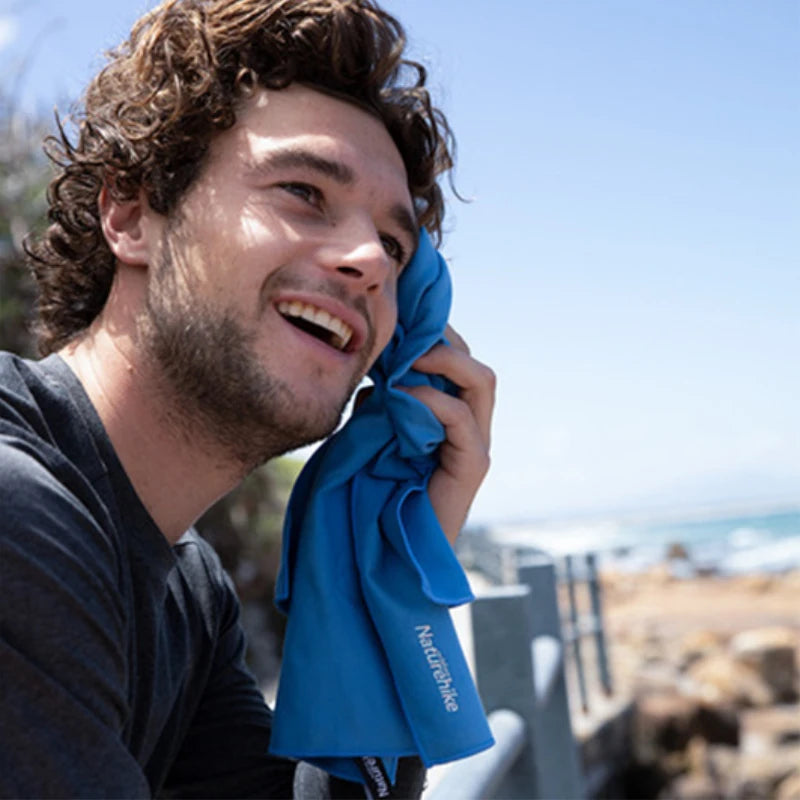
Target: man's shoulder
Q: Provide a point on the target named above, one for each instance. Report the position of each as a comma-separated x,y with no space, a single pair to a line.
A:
42,491
59,562
34,409
11,363
201,568
18,382
26,469
47,505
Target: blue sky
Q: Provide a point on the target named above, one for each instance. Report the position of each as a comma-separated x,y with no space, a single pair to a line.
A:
628,263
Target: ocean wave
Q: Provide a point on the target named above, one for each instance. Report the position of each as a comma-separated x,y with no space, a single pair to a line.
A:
775,556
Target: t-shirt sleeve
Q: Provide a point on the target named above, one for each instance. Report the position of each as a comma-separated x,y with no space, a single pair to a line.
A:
63,693
225,752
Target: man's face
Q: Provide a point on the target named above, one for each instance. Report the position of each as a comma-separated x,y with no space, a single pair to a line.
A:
273,285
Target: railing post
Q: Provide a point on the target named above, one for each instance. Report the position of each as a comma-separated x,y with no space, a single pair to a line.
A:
575,634
599,625
514,628
559,772
502,631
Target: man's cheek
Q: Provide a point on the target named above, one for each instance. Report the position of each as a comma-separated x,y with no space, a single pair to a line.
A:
388,328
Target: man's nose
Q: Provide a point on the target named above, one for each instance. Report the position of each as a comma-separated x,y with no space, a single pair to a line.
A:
357,252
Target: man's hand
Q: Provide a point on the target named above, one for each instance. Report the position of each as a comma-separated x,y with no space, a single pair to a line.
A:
467,419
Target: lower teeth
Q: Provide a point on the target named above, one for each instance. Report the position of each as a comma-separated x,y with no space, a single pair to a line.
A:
324,335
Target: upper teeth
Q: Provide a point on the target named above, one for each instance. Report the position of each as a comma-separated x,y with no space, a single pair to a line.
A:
341,330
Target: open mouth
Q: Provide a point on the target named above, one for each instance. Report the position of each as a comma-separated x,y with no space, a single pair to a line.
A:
319,323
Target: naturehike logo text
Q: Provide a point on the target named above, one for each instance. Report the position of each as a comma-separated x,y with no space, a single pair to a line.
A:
439,668
379,781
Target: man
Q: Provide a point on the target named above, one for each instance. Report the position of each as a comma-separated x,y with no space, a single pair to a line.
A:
219,274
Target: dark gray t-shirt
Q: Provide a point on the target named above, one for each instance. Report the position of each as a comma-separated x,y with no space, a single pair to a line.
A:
121,658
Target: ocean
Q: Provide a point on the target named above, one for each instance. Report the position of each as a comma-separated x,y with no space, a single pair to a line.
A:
726,542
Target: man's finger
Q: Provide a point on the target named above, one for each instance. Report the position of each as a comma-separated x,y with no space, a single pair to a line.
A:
476,381
455,339
463,431
463,458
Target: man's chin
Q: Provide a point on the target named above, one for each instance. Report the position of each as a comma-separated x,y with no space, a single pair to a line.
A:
309,436
302,426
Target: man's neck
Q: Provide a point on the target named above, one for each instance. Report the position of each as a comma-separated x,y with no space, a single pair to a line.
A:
176,478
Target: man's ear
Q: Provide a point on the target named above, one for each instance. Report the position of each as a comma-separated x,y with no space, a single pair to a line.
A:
128,227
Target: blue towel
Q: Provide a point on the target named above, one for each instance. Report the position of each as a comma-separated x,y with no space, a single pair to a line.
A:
372,666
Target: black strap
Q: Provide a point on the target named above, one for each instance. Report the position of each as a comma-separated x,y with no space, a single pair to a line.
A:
376,778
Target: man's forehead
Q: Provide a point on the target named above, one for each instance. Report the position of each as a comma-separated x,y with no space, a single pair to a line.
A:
301,120
340,127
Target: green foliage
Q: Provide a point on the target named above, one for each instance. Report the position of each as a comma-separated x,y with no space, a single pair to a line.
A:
24,175
245,527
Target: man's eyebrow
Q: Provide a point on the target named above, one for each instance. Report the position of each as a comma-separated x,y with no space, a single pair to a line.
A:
290,157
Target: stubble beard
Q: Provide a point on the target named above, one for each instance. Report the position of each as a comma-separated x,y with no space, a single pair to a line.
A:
215,389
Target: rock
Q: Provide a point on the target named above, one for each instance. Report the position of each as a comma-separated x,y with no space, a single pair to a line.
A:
692,786
655,677
640,635
662,725
639,780
765,730
653,647
722,763
772,654
760,775
704,779
698,644
764,638
677,551
717,680
789,788
789,737
717,724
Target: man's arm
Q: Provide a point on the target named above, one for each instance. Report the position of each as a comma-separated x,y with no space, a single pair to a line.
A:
63,699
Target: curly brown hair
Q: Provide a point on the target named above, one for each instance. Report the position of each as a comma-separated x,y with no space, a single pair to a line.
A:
149,116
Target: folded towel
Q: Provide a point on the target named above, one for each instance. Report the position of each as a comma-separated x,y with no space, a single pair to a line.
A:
372,668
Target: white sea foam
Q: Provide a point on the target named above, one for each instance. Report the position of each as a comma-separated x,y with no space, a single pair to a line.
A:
746,536
778,555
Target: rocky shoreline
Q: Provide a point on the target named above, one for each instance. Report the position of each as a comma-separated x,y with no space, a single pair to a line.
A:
711,663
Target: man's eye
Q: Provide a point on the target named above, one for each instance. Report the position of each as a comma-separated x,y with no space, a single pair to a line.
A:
394,249
310,194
